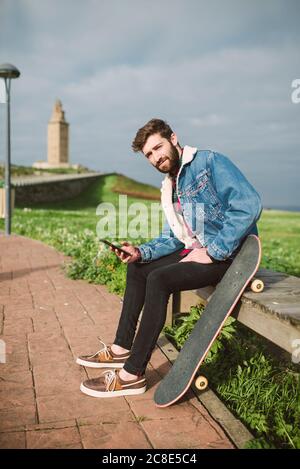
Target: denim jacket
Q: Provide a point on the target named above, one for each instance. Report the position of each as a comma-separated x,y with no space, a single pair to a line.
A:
218,203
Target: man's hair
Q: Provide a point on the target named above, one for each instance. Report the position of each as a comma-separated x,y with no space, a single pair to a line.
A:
154,126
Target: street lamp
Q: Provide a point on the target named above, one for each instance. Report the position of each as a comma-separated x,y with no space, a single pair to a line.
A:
8,71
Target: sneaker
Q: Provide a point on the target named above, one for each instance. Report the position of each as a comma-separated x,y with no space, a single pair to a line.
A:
104,358
111,385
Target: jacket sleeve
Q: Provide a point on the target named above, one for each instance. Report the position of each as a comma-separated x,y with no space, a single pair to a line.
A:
242,206
166,243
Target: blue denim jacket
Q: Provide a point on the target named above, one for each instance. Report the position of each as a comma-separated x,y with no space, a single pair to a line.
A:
213,190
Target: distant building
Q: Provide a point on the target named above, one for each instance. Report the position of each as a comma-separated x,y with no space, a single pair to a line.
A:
58,141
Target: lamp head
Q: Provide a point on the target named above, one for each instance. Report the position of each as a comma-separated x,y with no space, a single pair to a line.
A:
9,71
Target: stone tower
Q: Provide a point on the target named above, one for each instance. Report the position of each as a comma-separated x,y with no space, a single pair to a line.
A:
58,138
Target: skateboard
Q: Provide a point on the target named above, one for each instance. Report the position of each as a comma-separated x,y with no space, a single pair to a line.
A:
225,297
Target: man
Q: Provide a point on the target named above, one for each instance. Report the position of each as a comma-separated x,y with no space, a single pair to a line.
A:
210,208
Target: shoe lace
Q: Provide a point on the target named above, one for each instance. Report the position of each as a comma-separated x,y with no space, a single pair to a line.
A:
104,350
110,378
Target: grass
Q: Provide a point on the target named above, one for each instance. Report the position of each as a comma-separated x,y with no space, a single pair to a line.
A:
280,235
124,185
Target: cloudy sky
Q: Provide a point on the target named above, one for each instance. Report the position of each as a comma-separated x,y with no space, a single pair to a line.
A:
219,71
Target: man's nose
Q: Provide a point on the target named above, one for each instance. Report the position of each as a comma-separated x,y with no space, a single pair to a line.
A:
157,158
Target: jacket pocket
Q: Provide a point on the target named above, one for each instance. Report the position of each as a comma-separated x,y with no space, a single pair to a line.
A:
198,185
202,191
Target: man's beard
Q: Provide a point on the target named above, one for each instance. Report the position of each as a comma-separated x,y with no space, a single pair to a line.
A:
173,157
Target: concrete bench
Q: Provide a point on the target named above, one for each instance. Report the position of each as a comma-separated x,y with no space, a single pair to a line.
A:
273,313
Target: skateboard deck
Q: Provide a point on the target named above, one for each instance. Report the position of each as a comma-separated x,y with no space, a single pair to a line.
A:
225,297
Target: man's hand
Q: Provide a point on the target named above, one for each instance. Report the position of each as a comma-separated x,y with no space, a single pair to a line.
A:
130,249
198,255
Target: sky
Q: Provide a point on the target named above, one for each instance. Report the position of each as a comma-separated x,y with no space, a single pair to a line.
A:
219,72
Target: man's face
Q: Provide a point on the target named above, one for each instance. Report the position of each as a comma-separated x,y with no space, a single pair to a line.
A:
162,153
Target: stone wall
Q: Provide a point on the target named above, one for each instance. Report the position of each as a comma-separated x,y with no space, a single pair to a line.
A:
51,189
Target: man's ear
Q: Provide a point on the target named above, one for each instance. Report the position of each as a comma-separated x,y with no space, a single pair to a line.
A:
174,139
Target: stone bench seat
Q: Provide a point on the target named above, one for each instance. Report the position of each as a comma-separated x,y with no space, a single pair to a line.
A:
273,313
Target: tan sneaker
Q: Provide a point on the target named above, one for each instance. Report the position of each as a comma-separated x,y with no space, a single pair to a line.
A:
109,384
104,358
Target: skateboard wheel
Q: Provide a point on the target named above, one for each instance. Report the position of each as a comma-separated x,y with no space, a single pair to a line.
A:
201,383
257,285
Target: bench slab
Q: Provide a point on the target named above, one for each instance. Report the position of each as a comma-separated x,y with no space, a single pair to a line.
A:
273,313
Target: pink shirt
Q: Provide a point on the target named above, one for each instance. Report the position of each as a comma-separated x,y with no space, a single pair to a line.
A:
178,209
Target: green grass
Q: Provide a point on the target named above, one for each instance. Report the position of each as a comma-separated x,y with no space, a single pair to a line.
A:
125,185
280,235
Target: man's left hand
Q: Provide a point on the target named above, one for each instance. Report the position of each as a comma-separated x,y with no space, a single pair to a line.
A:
198,255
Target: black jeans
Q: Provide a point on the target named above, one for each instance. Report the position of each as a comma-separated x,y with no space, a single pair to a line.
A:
149,285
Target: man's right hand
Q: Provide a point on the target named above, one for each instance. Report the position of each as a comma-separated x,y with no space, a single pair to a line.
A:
135,253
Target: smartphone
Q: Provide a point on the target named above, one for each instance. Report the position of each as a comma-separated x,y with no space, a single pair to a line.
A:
115,247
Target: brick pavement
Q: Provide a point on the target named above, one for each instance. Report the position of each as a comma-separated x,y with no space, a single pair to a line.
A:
46,320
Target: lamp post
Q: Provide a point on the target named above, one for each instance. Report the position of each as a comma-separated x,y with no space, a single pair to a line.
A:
8,71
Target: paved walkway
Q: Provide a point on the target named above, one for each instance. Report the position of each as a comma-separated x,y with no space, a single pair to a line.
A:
46,320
